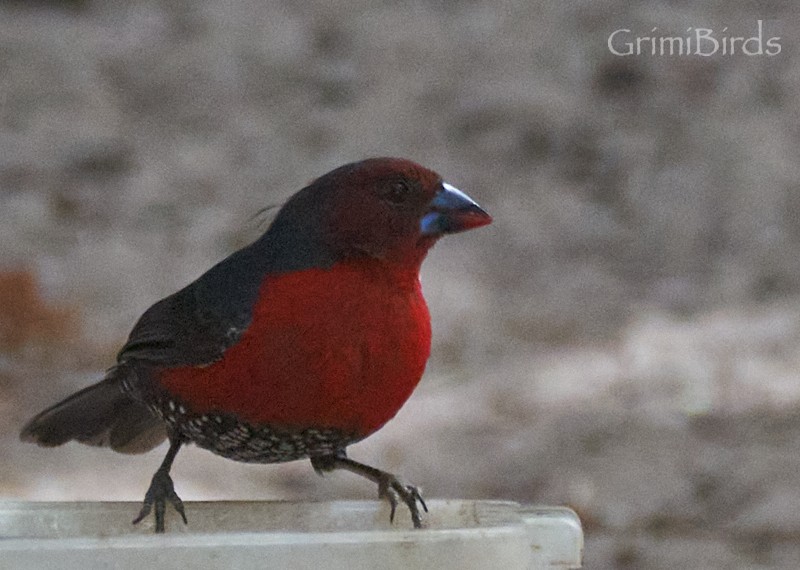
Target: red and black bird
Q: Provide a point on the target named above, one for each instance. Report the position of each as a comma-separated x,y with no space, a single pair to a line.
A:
306,341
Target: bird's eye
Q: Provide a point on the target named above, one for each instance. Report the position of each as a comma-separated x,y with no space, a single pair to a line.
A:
396,192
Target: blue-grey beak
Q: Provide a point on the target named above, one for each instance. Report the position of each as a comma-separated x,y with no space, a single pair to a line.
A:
452,211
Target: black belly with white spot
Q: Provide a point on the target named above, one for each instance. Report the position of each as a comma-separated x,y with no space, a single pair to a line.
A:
229,437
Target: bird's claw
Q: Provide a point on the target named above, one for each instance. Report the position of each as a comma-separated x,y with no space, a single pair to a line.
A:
161,491
390,488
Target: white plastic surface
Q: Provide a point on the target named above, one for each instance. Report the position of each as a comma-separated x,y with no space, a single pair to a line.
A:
247,535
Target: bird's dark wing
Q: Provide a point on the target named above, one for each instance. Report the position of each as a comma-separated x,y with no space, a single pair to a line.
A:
196,325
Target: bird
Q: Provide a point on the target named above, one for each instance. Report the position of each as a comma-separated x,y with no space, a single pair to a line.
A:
296,346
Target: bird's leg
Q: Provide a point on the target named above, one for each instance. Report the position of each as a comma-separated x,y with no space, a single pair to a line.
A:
389,486
161,490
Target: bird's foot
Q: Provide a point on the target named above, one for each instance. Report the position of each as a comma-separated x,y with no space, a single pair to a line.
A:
160,492
390,488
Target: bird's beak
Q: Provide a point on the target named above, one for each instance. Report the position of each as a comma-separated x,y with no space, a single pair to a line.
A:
452,211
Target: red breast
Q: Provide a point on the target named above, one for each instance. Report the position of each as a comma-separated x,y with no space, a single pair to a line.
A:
341,348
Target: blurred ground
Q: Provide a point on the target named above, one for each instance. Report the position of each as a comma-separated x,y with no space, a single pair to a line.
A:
625,338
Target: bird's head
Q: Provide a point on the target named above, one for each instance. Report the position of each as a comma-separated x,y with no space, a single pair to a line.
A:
391,208
383,208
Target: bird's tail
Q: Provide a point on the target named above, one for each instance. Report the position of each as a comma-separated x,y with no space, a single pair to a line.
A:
102,415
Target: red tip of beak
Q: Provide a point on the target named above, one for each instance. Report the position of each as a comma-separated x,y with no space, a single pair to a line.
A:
471,219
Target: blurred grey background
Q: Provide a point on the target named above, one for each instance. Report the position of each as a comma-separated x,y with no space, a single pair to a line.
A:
624,339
